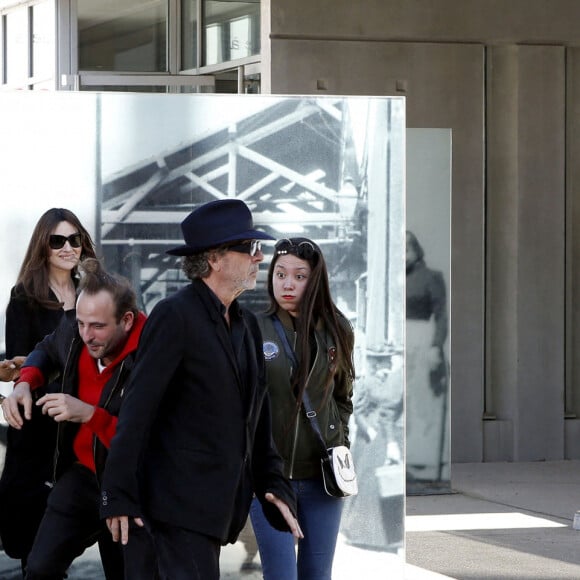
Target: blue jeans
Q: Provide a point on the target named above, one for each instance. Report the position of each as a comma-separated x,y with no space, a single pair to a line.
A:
319,517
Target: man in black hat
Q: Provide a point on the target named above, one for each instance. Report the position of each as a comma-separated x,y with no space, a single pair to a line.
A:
193,441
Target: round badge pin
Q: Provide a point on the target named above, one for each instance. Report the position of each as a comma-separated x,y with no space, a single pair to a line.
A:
271,350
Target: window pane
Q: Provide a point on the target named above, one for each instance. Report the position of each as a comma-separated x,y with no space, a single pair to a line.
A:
232,30
252,84
189,34
17,47
43,49
122,35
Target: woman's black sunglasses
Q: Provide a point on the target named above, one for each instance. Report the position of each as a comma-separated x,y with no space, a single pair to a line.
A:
304,249
56,242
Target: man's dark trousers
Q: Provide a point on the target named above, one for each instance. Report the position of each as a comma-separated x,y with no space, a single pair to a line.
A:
71,524
184,554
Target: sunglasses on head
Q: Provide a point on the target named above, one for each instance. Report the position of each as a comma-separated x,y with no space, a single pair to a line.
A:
56,241
304,250
251,247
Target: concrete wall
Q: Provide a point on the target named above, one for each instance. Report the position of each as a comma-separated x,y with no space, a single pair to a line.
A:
503,76
572,399
479,21
525,279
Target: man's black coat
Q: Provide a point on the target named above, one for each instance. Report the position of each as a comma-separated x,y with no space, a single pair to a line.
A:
193,441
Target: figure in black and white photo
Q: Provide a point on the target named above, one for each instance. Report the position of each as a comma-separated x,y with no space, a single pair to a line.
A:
426,368
374,518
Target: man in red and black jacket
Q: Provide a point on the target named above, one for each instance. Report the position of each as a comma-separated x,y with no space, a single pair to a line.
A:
93,360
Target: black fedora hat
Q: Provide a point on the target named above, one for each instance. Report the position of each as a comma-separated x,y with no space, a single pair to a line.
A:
216,223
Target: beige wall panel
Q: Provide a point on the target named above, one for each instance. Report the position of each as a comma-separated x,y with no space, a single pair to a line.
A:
502,253
573,233
490,21
444,89
526,251
541,138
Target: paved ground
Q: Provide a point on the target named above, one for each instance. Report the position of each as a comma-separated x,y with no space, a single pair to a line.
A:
503,521
88,566
506,520
349,562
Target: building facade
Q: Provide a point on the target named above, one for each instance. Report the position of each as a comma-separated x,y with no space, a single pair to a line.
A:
503,75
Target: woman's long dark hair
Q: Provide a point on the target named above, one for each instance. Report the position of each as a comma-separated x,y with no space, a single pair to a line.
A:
32,281
316,306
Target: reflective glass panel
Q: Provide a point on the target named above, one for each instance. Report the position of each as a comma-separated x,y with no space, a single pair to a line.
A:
17,43
428,324
122,35
189,34
43,55
331,169
232,30
2,74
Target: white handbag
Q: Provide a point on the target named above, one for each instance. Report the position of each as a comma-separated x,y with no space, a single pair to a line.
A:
338,472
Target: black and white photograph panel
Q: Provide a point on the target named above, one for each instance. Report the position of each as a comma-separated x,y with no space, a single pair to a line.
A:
328,170
300,164
428,324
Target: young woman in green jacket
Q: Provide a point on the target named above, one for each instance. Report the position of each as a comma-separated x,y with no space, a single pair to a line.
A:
322,342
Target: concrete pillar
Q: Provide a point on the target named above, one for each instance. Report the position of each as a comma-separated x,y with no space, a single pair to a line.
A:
524,384
501,253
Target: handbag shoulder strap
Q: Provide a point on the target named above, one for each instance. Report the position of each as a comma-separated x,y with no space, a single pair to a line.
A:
285,342
311,415
306,405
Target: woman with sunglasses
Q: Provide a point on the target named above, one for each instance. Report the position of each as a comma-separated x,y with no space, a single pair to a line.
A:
322,340
45,291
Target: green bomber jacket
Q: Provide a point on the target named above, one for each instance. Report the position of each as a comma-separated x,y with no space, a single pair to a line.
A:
330,391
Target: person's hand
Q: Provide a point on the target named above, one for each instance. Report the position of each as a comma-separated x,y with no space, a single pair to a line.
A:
10,368
63,407
286,514
119,528
19,396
